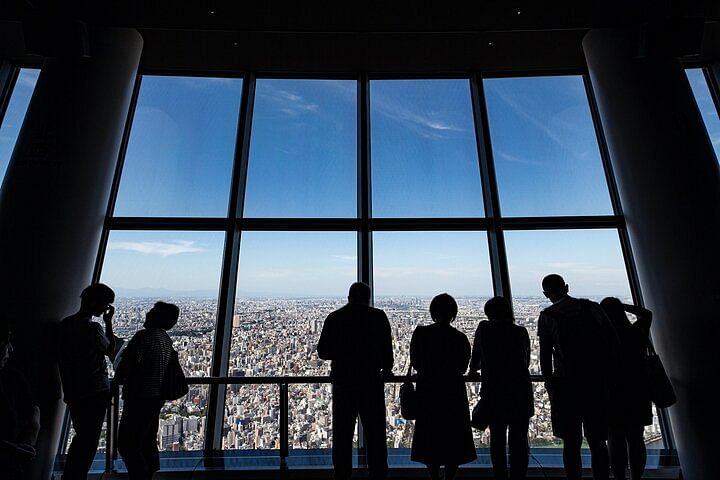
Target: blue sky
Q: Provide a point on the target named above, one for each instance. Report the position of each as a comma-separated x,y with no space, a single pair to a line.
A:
14,115
302,164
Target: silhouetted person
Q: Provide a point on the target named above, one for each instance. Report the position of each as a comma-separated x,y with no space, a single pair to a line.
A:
440,354
358,341
501,351
578,348
140,371
82,347
631,408
19,416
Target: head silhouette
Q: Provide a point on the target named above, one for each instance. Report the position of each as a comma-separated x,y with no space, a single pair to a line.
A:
615,311
5,345
359,293
554,287
162,315
96,298
499,309
443,309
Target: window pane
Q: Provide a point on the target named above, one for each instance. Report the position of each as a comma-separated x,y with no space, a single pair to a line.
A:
183,422
424,155
15,114
706,105
303,149
182,144
412,267
287,284
590,261
546,155
252,417
178,267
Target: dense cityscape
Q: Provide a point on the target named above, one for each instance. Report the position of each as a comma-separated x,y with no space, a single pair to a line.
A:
278,337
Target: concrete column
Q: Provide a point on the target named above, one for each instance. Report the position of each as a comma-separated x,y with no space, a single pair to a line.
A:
669,186
53,202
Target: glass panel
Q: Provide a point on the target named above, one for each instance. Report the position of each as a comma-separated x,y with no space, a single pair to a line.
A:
412,267
182,144
15,114
706,105
310,416
399,431
178,267
252,417
544,146
590,261
183,422
424,155
288,283
303,149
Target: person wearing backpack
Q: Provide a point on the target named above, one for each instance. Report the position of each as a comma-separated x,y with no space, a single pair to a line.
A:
142,371
578,359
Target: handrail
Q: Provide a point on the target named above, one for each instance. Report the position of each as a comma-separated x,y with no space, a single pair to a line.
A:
113,415
310,379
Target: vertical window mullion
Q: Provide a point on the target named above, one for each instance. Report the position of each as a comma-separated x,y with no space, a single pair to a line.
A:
8,77
97,272
364,190
230,267
712,77
491,198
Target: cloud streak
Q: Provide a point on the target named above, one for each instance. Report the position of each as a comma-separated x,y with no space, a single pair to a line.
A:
162,249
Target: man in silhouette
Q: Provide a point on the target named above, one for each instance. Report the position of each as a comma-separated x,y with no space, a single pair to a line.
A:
82,347
357,339
19,416
578,348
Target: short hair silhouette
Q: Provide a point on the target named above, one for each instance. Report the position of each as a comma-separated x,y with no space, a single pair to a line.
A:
498,308
162,315
359,293
443,308
615,311
553,284
98,292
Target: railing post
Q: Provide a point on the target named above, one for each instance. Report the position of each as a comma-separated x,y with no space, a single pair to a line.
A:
111,432
284,447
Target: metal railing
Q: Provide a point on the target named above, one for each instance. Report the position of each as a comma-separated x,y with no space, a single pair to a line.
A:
283,383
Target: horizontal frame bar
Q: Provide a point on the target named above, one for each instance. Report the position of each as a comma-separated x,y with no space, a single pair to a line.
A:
355,224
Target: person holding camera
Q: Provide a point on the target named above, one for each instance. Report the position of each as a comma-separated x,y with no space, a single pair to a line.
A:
82,347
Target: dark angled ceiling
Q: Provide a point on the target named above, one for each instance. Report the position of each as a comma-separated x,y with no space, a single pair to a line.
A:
347,36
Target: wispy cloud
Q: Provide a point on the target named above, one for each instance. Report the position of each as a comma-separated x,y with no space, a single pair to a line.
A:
288,102
584,268
162,249
515,159
426,124
348,258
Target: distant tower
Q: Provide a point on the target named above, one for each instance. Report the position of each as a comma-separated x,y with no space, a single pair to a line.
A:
236,320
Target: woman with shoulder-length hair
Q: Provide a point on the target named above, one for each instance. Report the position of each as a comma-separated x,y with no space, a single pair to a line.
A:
141,371
630,408
440,354
501,352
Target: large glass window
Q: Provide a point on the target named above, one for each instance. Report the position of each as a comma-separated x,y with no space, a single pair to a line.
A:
180,267
423,150
296,246
544,147
303,149
15,114
707,107
182,143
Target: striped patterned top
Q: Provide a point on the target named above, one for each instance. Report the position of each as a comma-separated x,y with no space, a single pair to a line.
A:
144,362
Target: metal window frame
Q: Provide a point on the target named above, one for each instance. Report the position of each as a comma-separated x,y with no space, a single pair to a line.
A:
364,224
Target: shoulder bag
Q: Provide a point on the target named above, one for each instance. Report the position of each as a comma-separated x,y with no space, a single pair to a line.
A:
660,390
174,384
408,398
